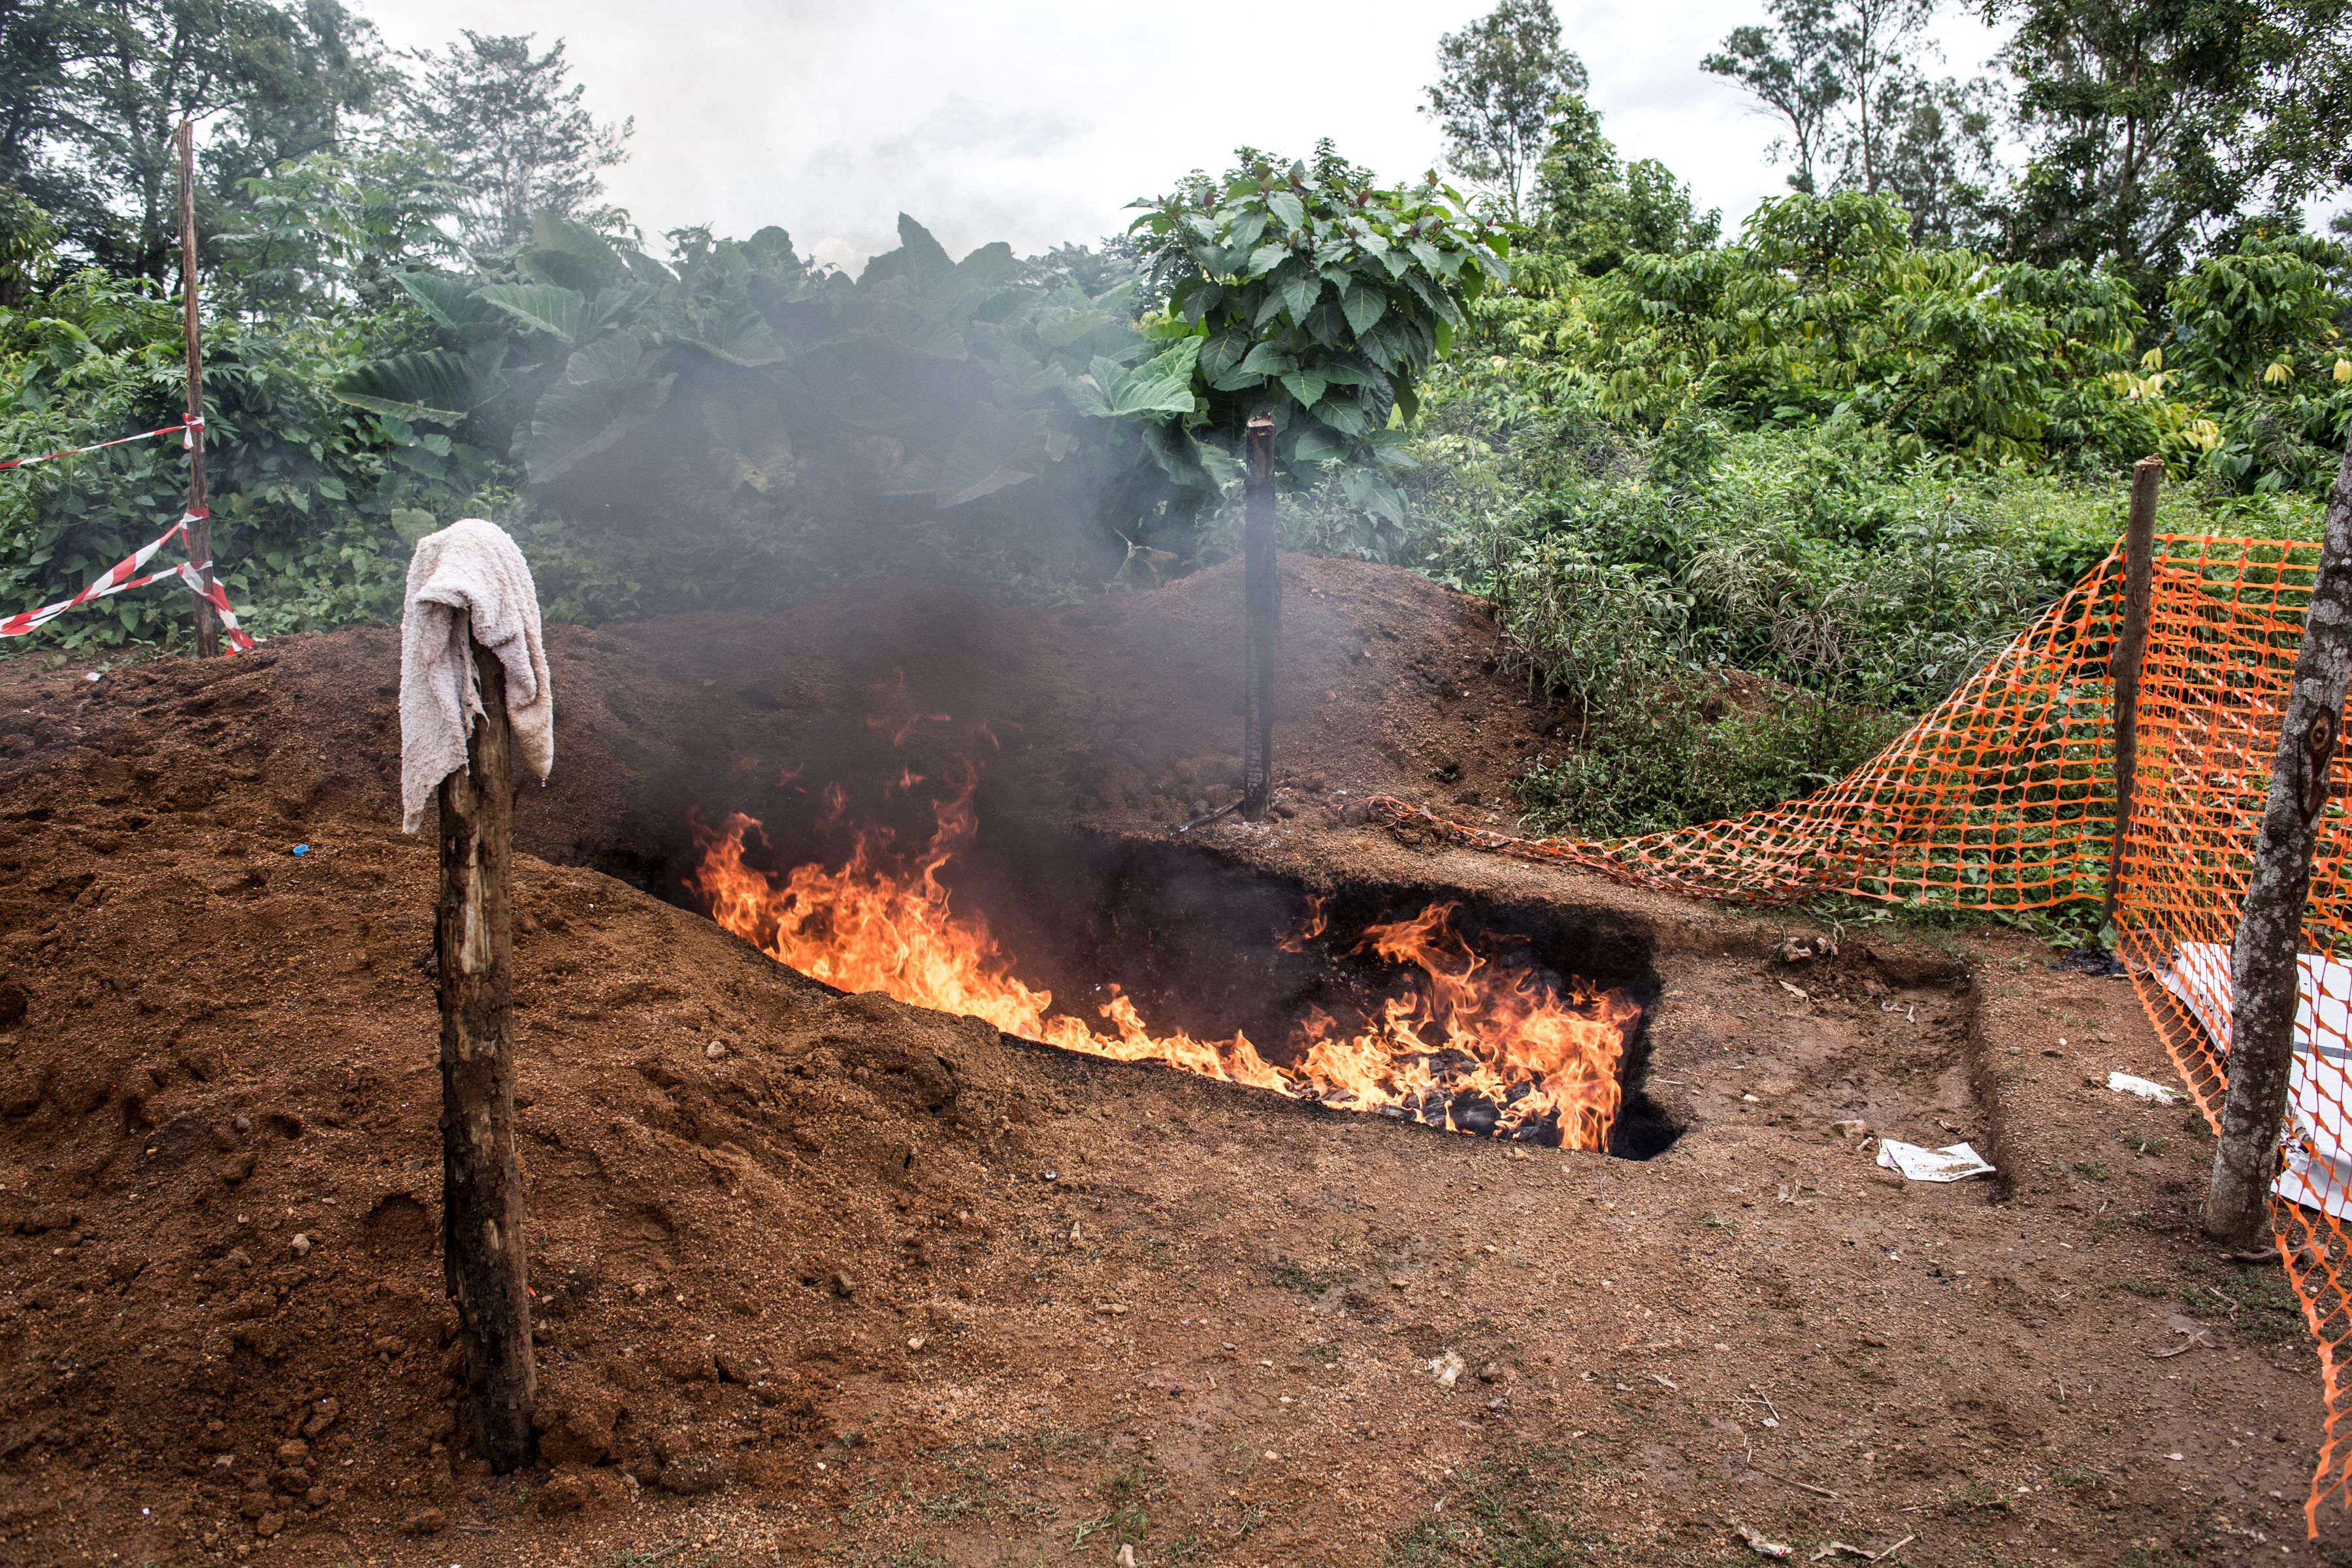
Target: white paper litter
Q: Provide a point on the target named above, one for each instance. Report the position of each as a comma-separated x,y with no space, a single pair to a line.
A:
2319,1172
2147,1088
1953,1164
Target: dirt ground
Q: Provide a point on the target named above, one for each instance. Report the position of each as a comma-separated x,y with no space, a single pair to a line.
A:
831,1279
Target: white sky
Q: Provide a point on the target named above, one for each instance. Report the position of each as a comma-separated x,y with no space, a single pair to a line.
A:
1037,121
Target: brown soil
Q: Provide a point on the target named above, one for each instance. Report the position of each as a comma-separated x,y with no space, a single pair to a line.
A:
831,1275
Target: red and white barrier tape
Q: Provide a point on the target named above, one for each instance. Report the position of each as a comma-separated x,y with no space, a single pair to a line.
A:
187,438
215,594
125,574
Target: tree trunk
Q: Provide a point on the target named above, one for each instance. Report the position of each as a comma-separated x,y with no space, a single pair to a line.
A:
482,1187
1261,609
2131,651
2264,987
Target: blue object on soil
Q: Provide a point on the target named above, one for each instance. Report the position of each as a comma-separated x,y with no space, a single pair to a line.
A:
302,849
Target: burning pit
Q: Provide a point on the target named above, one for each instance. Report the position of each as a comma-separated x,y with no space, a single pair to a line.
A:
1511,1021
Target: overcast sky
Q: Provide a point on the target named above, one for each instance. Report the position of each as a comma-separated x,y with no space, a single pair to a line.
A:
1037,121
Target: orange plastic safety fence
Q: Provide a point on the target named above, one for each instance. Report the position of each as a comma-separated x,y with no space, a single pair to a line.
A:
2003,798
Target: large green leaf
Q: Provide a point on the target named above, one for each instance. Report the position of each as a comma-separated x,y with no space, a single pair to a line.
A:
921,252
1363,307
1087,394
1161,384
1299,293
1344,414
564,313
984,458
1069,317
1268,359
1317,445
550,231
450,301
610,361
740,338
990,268
562,269
1265,258
571,423
1220,358
434,383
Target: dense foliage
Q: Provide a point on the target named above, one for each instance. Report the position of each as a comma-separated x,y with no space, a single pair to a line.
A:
1319,298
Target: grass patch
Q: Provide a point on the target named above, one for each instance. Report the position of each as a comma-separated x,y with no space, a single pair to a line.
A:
1975,1500
1127,1519
2257,1302
975,1493
1062,1441
1292,1275
1496,1516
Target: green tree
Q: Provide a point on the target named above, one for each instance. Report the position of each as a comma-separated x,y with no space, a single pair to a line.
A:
1596,209
338,227
27,247
1791,70
1939,158
1826,311
1835,72
32,59
2256,336
97,84
517,138
1316,296
1492,97
2153,126
1871,41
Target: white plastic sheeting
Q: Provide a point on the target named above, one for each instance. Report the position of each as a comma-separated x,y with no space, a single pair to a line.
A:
2319,1172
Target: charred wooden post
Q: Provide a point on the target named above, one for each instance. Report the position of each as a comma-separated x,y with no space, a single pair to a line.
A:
200,528
481,1184
1262,610
2263,982
2131,651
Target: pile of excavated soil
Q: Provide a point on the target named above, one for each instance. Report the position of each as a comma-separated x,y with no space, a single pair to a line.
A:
831,1275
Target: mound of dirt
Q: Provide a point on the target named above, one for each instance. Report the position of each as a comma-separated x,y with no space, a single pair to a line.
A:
217,1047
821,1274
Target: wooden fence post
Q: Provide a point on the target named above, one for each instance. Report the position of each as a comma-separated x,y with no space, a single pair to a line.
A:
2131,649
1261,609
200,531
481,1185
2264,984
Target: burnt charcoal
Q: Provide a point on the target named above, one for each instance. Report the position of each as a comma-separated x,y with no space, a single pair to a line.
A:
1476,1113
1543,1130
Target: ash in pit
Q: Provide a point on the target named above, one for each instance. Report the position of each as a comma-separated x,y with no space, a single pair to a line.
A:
1521,1021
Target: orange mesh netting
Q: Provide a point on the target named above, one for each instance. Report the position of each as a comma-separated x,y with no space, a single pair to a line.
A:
2003,798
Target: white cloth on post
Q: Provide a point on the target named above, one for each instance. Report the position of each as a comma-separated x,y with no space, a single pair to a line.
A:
467,580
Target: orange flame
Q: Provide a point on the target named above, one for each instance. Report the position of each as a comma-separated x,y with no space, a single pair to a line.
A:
1465,1045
